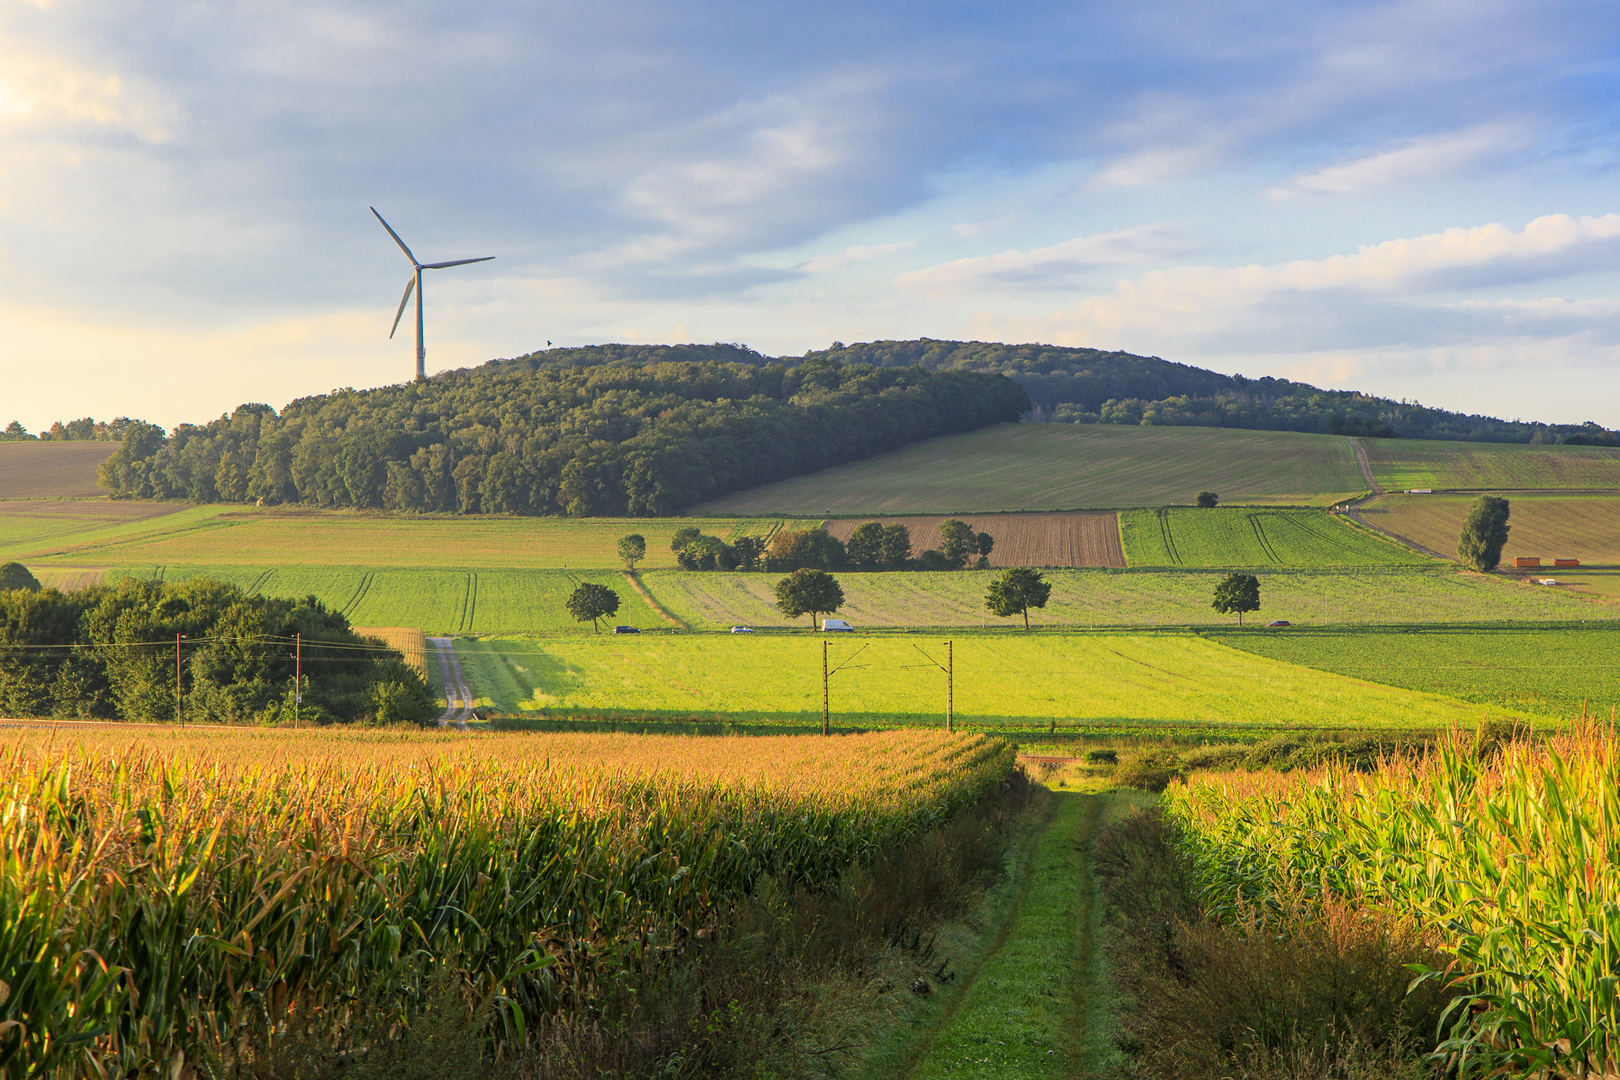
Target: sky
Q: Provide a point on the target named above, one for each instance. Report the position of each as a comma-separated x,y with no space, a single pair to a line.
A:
1413,199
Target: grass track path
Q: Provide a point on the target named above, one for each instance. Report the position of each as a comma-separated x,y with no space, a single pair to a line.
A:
1023,1011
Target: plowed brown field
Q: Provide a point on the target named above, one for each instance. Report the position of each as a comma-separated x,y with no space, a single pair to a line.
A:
1088,538
52,470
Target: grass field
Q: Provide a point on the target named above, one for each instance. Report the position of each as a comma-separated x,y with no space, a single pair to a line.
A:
437,601
1001,681
1068,467
1403,464
52,470
287,537
1053,539
1232,537
1584,527
1543,670
1104,598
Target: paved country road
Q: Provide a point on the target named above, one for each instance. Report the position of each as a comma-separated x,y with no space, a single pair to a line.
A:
458,696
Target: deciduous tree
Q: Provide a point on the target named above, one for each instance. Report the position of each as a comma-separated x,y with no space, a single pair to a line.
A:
1484,533
1237,593
592,601
631,549
815,592
14,575
958,542
1016,591
1206,499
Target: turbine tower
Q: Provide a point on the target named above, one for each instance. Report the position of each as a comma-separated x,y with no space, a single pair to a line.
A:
416,284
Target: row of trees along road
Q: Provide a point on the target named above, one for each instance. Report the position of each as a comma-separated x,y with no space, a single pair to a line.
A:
643,431
872,546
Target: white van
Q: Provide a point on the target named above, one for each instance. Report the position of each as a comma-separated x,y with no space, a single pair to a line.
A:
829,626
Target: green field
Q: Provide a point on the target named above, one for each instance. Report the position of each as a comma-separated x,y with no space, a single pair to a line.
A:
1403,464
437,601
1069,467
1124,598
285,537
1546,670
1077,680
1233,537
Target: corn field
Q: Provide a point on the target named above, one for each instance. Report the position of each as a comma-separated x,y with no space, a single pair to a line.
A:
1512,859
167,900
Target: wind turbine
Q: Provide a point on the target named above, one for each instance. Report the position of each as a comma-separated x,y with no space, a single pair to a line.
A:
416,284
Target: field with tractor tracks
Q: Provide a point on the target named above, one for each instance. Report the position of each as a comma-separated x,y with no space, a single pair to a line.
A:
1548,527
1244,537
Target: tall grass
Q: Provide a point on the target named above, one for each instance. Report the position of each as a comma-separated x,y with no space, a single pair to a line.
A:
162,907
1510,854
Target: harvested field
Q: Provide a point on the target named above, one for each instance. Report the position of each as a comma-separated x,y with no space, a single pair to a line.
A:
1403,464
410,641
1584,527
1088,538
52,470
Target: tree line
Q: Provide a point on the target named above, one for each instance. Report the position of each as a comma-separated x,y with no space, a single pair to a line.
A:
85,429
612,431
1091,386
872,546
111,651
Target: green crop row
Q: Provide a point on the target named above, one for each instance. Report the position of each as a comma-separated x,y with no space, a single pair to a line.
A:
1233,537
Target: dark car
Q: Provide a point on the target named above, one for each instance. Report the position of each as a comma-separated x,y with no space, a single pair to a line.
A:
625,630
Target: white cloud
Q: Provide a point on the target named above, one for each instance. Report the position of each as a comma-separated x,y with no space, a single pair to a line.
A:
43,92
1417,159
823,263
1122,247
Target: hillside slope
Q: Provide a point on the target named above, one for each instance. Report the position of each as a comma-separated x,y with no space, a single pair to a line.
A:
1068,467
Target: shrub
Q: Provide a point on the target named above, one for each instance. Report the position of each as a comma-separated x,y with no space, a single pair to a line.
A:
1225,756
1102,757
1152,770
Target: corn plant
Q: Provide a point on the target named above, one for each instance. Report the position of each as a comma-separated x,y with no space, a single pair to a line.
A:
1514,861
163,906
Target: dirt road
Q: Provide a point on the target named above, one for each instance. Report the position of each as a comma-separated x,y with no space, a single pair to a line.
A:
458,696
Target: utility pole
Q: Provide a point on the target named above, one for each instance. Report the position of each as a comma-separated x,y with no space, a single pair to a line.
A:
950,687
298,678
179,715
824,688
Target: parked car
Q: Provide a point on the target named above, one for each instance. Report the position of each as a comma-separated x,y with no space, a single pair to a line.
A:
742,629
1278,622
625,630
834,626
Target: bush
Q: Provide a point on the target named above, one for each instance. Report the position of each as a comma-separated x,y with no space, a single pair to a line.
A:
1102,757
1150,771
1225,756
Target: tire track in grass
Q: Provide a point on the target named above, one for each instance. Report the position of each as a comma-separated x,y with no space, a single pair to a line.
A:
1026,1010
1260,536
1169,541
360,591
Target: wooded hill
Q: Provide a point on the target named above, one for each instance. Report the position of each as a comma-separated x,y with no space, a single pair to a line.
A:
1089,386
607,430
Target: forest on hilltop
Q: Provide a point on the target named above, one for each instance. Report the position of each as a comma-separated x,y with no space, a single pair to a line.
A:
608,430
1090,386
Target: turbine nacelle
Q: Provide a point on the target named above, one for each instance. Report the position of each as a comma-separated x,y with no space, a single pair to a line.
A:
415,285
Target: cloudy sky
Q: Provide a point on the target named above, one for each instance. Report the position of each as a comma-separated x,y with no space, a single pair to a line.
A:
1416,198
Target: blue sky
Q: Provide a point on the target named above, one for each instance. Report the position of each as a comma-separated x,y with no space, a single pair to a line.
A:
1414,199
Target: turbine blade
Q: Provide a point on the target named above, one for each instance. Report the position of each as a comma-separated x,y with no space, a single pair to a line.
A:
454,262
409,285
395,235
